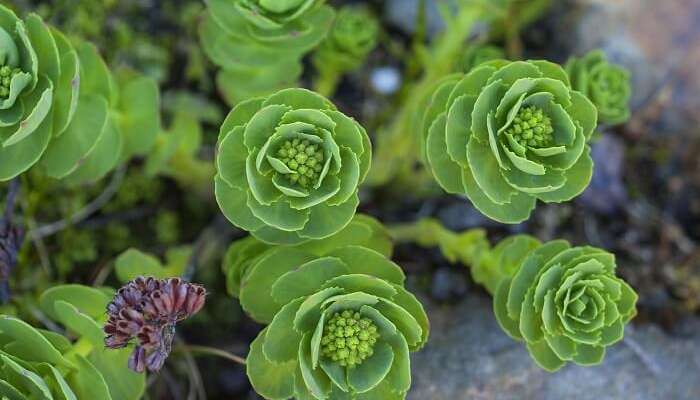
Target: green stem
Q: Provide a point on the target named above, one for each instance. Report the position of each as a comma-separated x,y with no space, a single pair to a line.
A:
467,247
210,351
397,148
327,81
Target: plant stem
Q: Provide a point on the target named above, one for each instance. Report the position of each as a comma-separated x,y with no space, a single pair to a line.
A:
397,147
467,247
210,351
327,81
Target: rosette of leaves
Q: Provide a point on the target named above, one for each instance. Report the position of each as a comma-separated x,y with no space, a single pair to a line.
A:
606,84
507,134
289,167
352,37
259,43
566,303
341,326
42,364
243,255
61,107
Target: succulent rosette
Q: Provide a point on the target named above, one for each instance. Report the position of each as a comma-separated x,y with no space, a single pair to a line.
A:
341,326
259,43
60,106
352,37
507,134
289,167
606,84
566,303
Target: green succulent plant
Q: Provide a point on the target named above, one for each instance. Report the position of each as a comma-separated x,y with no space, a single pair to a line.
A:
289,167
507,134
566,303
606,84
341,324
259,43
61,107
41,364
352,37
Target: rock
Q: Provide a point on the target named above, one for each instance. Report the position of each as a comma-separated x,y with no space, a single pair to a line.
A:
606,194
658,41
448,284
469,357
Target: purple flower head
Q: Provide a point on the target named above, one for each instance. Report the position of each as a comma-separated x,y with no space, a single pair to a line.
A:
146,310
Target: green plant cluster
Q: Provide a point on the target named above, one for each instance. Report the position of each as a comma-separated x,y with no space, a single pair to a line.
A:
345,49
341,323
566,303
64,109
289,166
41,364
507,134
259,43
606,85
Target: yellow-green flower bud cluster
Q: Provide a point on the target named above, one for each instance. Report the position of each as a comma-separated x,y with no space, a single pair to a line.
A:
6,74
304,159
348,338
531,127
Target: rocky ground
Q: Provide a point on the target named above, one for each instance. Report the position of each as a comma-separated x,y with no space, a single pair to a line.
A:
469,357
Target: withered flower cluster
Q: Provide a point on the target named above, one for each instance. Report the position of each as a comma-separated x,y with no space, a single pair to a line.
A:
147,309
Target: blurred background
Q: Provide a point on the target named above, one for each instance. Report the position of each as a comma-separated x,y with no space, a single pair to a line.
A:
643,203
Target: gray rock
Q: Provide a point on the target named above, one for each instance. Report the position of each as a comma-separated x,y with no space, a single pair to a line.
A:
658,41
469,357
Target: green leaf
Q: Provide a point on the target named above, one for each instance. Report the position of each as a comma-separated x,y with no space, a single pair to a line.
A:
90,301
316,380
298,98
589,355
516,211
410,303
67,87
306,279
500,299
80,323
362,283
373,370
18,158
458,128
29,380
325,220
279,214
233,203
282,341
103,157
87,382
487,173
544,356
28,343
134,263
446,171
44,46
139,104
361,260
66,153
38,103
256,297
577,179
310,310
240,115
269,379
402,319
